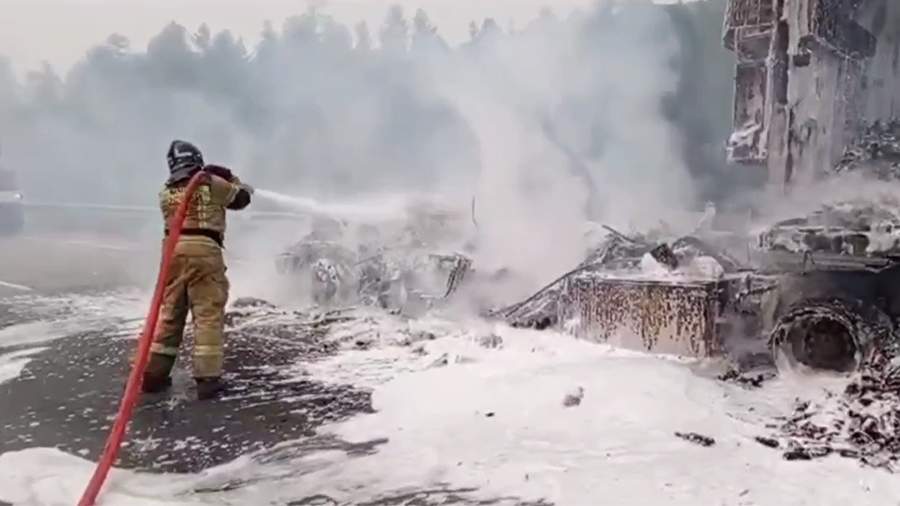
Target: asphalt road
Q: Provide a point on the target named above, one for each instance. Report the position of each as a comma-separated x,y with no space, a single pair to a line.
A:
66,394
68,389
56,263
57,399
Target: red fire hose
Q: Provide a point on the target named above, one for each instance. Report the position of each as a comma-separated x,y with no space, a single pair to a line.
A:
133,387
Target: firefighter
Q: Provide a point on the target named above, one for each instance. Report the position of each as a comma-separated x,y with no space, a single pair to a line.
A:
196,280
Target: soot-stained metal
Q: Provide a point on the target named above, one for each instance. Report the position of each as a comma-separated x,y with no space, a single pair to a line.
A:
611,298
662,317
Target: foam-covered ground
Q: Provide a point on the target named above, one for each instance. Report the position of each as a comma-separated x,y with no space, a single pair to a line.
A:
464,413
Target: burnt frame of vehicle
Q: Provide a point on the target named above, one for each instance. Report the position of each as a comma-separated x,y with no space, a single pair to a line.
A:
394,265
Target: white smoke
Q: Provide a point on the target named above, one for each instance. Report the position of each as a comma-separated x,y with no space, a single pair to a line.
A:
548,127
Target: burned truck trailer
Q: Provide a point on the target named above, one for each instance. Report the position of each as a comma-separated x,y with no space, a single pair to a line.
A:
809,74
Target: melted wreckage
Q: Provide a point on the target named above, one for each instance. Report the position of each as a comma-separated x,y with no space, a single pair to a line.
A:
365,264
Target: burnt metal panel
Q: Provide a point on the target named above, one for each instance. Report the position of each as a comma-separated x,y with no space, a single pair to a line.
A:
645,315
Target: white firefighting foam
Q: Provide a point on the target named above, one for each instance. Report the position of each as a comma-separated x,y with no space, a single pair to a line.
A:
473,405
701,268
12,364
59,317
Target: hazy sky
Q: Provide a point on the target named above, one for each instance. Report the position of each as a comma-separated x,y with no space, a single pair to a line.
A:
59,31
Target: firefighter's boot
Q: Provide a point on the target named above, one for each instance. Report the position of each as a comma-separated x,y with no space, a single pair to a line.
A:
157,375
209,388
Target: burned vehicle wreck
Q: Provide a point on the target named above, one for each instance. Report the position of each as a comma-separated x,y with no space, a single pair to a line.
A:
817,97
841,263
838,299
398,266
811,292
683,297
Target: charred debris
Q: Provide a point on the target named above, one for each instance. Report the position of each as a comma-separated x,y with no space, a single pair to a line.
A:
818,290
816,96
703,295
401,266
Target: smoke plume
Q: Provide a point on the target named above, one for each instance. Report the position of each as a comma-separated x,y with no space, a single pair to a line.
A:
563,121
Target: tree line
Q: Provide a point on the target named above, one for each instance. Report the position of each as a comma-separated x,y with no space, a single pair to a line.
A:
323,107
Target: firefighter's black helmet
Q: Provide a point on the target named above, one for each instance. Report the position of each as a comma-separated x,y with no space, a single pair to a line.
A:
184,159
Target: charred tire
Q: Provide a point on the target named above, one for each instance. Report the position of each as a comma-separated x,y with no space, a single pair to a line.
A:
830,335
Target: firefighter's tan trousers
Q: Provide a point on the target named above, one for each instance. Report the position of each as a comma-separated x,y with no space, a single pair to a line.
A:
196,283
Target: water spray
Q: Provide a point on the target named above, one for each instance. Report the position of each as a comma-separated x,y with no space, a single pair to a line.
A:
386,208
